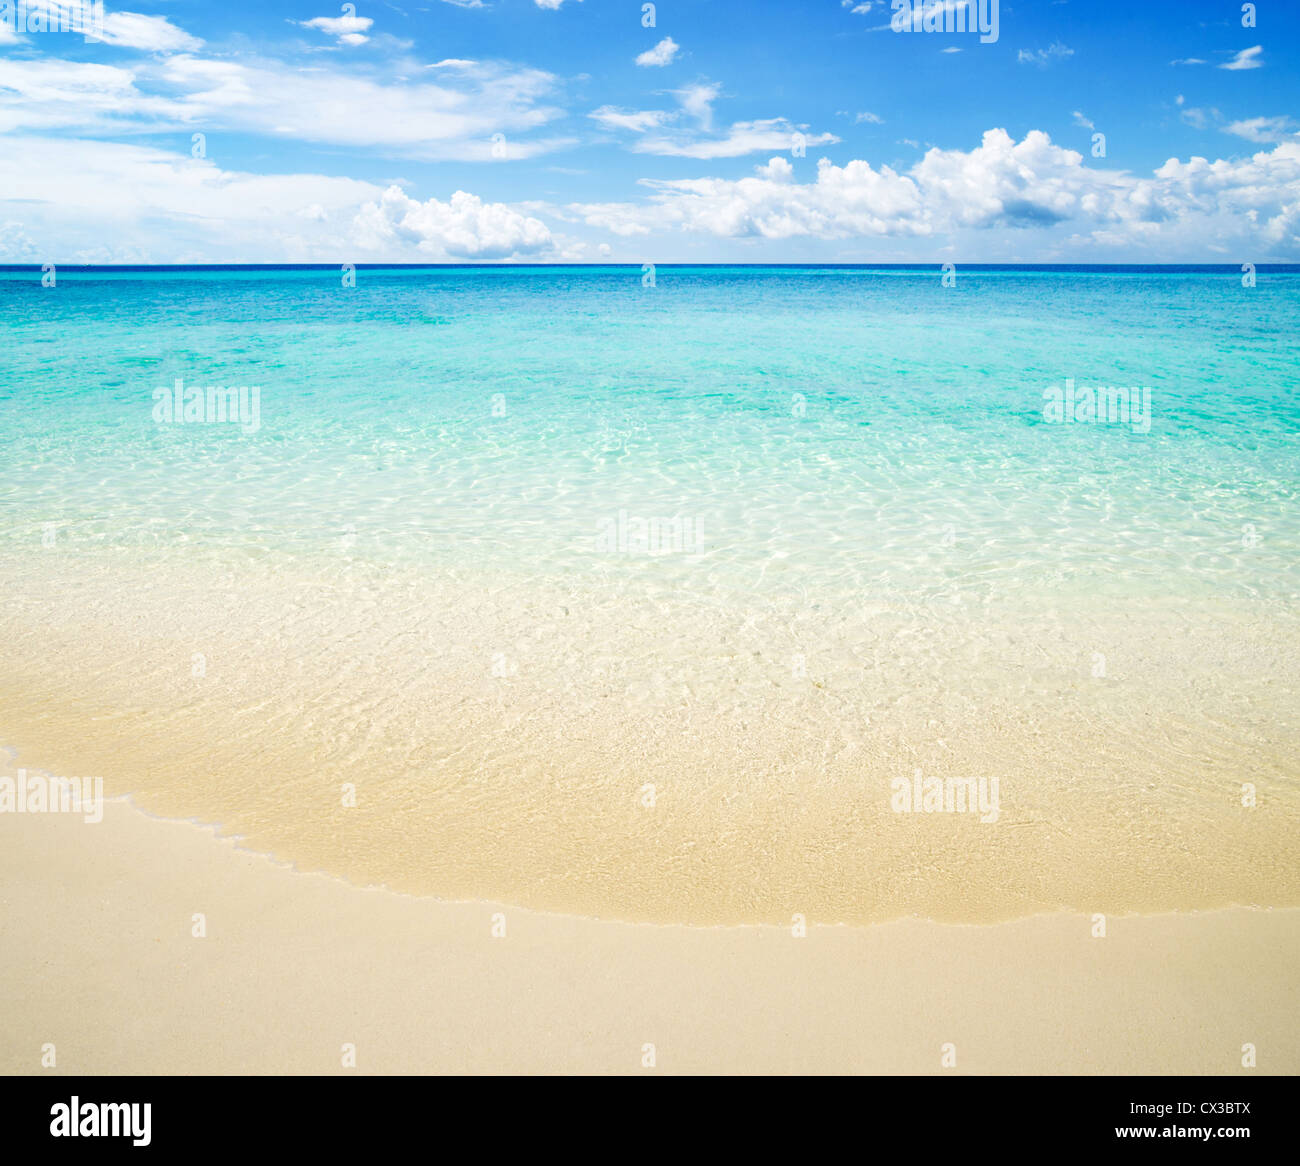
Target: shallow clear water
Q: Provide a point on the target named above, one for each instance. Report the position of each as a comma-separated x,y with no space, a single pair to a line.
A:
847,467
821,427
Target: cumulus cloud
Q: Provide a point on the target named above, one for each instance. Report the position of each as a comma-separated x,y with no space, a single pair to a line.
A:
662,54
16,246
348,30
777,169
464,227
69,195
1002,184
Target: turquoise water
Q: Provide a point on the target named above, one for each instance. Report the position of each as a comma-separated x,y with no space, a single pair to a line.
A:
833,429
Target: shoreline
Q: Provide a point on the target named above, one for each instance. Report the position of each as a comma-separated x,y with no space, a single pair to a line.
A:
657,759
215,832
295,965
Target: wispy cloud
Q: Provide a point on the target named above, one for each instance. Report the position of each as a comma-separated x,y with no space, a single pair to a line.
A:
1044,57
1265,130
697,100
745,137
1200,118
454,116
1246,59
638,121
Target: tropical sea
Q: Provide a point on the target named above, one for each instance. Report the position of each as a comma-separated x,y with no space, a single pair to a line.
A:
686,594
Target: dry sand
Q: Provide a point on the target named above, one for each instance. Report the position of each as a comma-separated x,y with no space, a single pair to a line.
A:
99,959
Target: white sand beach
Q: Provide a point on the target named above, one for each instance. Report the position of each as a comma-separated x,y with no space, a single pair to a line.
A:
99,960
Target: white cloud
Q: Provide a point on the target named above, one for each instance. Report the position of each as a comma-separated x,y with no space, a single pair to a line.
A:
1264,130
43,94
158,206
154,34
697,100
66,196
662,54
16,246
676,140
551,5
1081,121
1188,61
1199,118
638,121
1001,185
745,137
873,118
1246,59
128,30
778,169
349,30
1044,57
453,116
464,227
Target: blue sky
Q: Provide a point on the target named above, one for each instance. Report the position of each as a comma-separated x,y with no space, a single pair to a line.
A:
554,130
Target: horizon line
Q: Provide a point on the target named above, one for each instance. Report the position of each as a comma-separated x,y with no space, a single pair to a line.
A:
637,265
